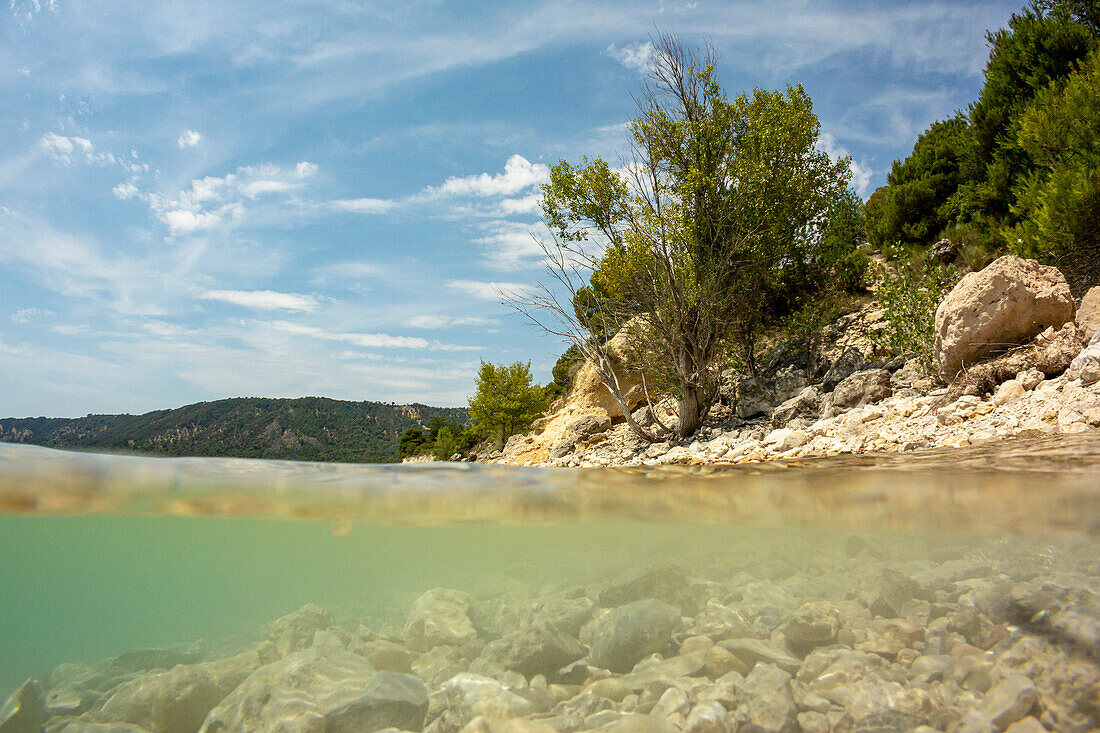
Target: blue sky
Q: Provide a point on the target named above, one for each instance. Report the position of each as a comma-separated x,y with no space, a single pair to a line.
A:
211,199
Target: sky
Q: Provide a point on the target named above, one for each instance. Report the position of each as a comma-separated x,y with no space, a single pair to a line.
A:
206,199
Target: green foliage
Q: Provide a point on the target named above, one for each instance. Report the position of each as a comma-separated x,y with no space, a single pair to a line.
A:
1038,47
917,204
965,173
563,371
506,401
306,429
909,296
1059,202
442,440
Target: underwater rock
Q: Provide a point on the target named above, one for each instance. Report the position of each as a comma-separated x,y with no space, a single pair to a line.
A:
664,582
764,701
439,617
295,631
320,689
469,696
538,649
386,655
814,624
628,634
24,711
754,651
176,701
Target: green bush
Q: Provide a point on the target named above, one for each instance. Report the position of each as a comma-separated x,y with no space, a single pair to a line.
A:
909,296
1059,203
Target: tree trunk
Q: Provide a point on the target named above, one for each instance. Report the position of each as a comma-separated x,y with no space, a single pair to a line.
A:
502,436
691,411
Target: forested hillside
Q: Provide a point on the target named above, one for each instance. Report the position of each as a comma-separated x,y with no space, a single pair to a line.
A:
306,429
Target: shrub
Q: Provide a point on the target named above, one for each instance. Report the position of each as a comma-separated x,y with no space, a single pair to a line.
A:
909,297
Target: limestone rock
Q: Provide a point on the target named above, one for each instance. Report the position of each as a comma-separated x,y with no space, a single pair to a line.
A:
1007,303
1088,315
806,405
439,617
537,649
176,701
788,382
320,689
295,631
861,388
848,363
753,398
627,634
1086,365
814,624
664,582
24,711
469,696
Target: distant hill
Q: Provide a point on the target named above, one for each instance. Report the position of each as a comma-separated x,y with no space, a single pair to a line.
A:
305,429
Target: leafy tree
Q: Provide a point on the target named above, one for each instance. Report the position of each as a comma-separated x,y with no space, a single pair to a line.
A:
506,401
702,236
918,202
411,442
1040,45
1059,203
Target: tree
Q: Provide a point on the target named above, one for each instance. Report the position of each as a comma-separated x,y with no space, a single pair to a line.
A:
917,203
506,401
1059,203
697,237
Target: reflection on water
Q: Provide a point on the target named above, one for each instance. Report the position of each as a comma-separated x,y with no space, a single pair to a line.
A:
957,591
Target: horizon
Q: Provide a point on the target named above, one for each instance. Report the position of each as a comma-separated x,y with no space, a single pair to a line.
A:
202,203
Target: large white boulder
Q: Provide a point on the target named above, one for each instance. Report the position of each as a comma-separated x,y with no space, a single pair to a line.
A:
1008,303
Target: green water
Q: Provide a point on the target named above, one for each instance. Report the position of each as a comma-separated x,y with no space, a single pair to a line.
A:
101,555
82,588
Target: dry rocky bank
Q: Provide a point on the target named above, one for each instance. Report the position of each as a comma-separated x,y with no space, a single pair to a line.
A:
1015,354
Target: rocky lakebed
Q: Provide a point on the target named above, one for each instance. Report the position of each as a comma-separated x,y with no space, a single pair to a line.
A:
781,632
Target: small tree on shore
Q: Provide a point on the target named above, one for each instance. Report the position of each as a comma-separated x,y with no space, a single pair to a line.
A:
712,224
507,400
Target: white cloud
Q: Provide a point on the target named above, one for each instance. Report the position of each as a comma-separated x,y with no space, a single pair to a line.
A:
189,139
213,201
367,340
264,299
62,148
435,321
364,205
519,174
489,290
635,56
511,245
25,315
861,174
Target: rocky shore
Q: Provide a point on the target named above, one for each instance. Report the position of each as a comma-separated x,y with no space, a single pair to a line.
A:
1015,354
782,633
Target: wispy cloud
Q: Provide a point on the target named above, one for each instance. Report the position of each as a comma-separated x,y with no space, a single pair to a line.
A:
267,300
439,321
489,290
189,139
26,315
